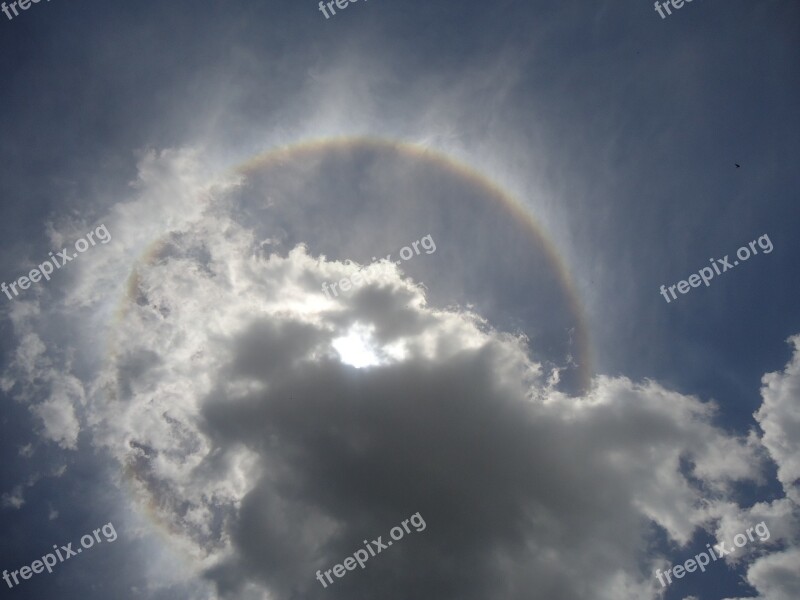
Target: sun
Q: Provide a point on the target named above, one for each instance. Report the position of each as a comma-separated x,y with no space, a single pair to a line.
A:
357,348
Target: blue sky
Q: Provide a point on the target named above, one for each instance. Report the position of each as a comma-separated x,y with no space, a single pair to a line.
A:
563,430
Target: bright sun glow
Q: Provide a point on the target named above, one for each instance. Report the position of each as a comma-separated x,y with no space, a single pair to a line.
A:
356,348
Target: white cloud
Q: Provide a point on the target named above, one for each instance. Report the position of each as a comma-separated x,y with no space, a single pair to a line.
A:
217,350
779,417
776,576
59,420
223,396
14,499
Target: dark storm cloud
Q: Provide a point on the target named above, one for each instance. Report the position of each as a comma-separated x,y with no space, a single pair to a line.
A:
268,348
362,449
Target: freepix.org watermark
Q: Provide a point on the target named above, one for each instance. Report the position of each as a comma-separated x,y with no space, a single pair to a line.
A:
360,557
48,561
45,269
359,279
23,4
703,559
341,5
706,274
676,4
